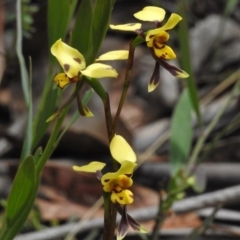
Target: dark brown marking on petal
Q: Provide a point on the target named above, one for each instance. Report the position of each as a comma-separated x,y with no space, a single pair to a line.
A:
66,67
78,60
155,78
121,198
172,69
106,180
116,191
155,45
128,175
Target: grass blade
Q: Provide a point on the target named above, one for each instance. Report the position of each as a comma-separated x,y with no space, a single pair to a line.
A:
181,133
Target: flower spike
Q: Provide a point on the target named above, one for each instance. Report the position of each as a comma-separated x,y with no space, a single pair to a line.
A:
74,65
156,40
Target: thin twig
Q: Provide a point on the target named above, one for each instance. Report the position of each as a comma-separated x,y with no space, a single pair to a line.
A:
220,88
198,147
85,218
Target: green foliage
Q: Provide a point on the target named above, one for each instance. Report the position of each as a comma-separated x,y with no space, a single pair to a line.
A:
181,133
186,59
21,199
91,26
176,189
58,23
59,16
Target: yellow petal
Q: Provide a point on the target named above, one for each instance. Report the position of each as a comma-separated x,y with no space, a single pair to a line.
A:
62,80
121,150
152,86
171,23
181,74
165,52
125,169
124,197
173,20
87,112
127,27
99,70
71,60
154,80
91,167
114,55
151,14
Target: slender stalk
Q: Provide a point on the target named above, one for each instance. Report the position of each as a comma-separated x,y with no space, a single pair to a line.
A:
126,84
23,70
110,211
50,144
232,125
108,118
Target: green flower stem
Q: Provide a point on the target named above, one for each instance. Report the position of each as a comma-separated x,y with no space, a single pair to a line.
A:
204,136
126,84
51,144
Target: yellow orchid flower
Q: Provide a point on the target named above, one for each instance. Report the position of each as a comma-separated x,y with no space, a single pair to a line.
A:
156,39
116,182
74,64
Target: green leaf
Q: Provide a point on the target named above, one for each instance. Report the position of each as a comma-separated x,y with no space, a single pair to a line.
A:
186,59
102,14
230,5
8,232
26,149
38,153
59,16
137,40
82,34
58,22
181,133
91,25
22,188
97,86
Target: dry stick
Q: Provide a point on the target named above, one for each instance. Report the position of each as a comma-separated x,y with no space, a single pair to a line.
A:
84,219
221,87
212,199
198,147
159,220
204,226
